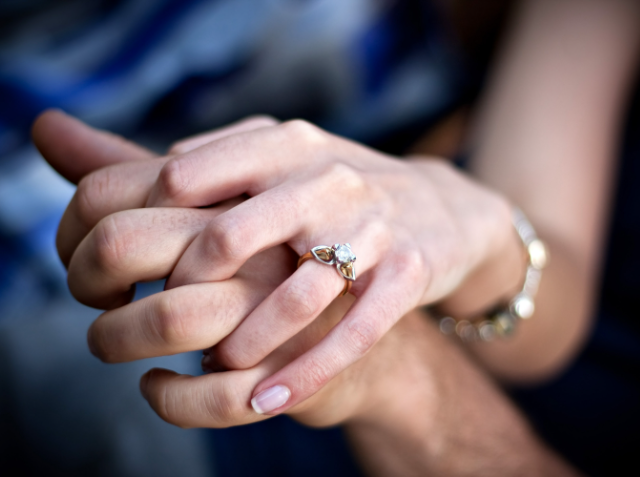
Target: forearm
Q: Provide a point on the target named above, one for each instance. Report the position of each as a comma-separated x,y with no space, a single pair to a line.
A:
546,138
432,413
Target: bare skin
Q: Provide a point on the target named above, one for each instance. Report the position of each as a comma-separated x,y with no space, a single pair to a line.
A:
414,405
460,248
546,137
408,257
545,140
420,228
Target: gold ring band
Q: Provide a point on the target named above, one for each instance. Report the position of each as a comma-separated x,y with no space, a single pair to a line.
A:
309,256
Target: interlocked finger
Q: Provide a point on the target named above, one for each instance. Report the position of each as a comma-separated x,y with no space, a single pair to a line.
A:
175,321
112,174
75,149
129,247
251,162
296,303
248,124
104,192
222,399
290,213
213,400
387,298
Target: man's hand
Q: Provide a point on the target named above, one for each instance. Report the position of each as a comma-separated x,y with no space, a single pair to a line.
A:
418,227
125,245
413,406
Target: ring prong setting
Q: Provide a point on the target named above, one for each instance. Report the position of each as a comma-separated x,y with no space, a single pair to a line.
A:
339,255
344,261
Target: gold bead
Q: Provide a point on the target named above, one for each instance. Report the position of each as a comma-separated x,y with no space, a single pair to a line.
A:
505,324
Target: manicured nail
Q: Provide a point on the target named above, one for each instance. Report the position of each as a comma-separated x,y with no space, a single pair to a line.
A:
270,399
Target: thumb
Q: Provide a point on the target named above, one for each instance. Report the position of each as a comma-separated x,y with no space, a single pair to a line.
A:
75,149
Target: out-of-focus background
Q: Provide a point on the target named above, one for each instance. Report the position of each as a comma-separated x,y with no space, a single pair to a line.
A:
380,72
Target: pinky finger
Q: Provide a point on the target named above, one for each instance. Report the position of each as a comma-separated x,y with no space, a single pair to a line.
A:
384,302
213,400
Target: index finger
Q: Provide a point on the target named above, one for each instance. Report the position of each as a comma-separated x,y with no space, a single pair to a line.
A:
112,174
75,149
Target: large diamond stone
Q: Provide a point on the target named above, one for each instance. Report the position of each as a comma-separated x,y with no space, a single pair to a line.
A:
344,254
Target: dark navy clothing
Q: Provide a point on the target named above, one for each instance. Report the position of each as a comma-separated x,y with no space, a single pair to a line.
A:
591,414
280,447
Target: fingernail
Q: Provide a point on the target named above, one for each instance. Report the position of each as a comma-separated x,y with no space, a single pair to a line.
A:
270,399
144,381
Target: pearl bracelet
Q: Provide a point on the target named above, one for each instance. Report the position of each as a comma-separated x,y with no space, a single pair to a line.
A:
502,321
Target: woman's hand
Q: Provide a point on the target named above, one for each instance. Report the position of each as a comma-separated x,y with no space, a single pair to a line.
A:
129,245
402,403
418,227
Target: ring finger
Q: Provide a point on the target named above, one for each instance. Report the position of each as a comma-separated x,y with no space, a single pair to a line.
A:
296,303
292,213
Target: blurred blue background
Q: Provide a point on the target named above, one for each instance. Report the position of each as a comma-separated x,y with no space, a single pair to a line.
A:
155,71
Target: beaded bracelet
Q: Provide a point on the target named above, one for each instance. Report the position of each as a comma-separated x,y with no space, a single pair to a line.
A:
502,321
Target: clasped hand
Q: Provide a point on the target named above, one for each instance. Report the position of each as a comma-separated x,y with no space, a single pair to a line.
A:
212,217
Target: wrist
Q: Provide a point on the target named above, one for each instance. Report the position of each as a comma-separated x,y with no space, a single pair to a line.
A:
497,279
489,260
394,432
439,415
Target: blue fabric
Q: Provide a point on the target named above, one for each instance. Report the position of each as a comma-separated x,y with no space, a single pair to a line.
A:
158,71
378,72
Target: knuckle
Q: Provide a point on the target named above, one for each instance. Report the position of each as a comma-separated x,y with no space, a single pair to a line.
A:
301,130
411,263
233,357
90,195
113,246
225,406
346,177
169,324
362,336
299,300
225,241
261,120
174,179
